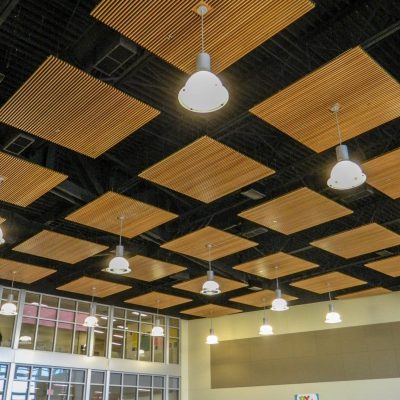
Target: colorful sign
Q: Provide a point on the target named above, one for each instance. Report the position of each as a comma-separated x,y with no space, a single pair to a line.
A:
308,396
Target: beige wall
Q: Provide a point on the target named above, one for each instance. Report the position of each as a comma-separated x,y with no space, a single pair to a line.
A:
355,312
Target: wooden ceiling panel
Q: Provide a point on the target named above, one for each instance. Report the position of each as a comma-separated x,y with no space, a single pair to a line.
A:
103,212
262,298
85,286
195,244
368,96
206,170
195,285
59,247
24,182
171,30
2,220
67,106
328,282
157,300
211,311
383,173
364,293
24,273
389,266
275,266
358,241
295,211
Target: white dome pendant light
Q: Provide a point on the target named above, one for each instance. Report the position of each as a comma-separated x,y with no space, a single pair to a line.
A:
119,264
346,174
210,286
279,303
265,328
9,308
332,317
158,330
2,241
212,338
91,320
203,91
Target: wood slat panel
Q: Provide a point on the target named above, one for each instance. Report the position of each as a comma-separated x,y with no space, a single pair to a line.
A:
364,293
368,96
389,266
328,282
157,299
206,170
103,212
24,181
2,219
263,298
295,211
67,106
85,286
57,246
355,242
211,311
195,285
195,244
383,173
25,273
171,30
266,266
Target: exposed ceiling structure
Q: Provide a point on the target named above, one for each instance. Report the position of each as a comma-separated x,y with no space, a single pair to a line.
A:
92,130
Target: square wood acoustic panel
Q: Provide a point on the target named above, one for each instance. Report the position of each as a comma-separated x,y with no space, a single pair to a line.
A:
67,106
295,211
275,266
358,241
24,182
24,273
171,29
206,170
329,282
157,300
2,220
383,173
85,285
263,298
376,291
389,266
195,285
194,244
103,212
211,311
367,94
59,247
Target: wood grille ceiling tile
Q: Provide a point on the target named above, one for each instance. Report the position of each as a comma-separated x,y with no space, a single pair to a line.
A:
171,30
59,247
295,211
195,244
85,286
389,266
211,311
2,220
24,181
383,173
364,293
328,282
67,106
206,170
266,266
157,299
25,273
195,285
103,212
355,242
263,298
368,96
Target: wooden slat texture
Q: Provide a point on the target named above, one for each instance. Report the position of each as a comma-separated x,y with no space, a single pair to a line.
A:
157,299
206,170
389,266
195,285
85,286
2,219
328,282
103,212
24,181
355,242
295,211
211,311
368,96
67,106
195,244
275,265
171,30
25,273
383,173
364,293
57,246
263,298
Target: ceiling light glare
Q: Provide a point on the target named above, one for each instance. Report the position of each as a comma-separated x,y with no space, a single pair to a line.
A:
265,328
212,338
332,317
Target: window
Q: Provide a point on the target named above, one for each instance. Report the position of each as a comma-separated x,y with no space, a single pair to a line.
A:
7,322
3,380
173,388
173,341
97,385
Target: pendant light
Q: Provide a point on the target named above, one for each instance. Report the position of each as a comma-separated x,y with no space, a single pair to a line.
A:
2,241
119,264
346,174
265,328
279,303
158,330
332,317
210,286
9,308
212,338
91,320
203,91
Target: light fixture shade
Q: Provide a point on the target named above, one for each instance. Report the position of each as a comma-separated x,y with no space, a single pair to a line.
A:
2,241
212,338
9,308
265,328
91,321
332,317
25,339
158,330
210,287
279,304
119,265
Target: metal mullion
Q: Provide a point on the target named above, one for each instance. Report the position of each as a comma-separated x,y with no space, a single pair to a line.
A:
18,320
56,325
166,343
110,328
